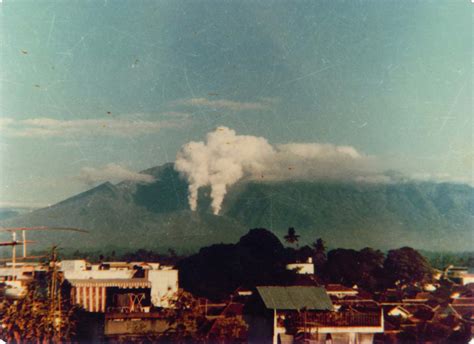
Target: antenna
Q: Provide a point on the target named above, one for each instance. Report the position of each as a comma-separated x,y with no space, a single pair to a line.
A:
24,242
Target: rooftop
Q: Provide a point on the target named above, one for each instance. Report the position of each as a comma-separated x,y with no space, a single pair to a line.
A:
113,282
295,298
339,288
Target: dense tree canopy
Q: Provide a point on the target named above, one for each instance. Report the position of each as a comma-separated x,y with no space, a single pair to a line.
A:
406,265
216,271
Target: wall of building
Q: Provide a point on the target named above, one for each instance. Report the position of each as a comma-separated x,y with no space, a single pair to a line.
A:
301,268
99,274
134,327
467,278
164,286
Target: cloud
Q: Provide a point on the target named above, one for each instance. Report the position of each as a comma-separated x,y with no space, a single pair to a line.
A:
224,158
22,205
111,172
49,127
5,122
442,178
176,114
225,104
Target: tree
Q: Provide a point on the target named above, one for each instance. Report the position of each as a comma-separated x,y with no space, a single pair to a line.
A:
216,271
371,269
406,265
343,267
349,267
44,314
319,256
229,330
186,320
292,237
188,323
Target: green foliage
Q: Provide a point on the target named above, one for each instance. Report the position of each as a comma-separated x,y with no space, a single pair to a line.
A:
319,255
186,319
188,323
216,271
43,315
405,265
350,267
229,330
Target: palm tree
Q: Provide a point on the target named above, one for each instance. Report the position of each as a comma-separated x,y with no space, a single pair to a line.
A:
292,237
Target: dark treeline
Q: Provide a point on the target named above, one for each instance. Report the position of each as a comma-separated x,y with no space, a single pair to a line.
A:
259,258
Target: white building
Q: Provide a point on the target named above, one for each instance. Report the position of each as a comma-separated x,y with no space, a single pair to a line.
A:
120,286
306,268
317,320
17,277
461,275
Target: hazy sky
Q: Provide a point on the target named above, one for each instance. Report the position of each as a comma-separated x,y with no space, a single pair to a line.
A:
108,88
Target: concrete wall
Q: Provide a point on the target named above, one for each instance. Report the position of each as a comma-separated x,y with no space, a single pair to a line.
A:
134,326
73,265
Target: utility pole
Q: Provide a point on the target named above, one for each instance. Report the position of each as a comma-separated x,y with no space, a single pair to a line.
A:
14,252
23,237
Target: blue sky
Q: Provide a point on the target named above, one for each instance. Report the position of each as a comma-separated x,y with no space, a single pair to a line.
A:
120,86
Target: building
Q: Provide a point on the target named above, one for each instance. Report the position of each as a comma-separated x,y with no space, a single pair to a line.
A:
307,312
461,275
338,291
305,268
16,278
120,287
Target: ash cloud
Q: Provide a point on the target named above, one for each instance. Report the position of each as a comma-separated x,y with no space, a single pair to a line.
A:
225,157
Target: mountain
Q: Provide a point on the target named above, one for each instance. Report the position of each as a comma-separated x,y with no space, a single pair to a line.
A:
132,215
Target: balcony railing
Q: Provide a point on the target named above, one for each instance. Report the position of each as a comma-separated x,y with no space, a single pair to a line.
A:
334,319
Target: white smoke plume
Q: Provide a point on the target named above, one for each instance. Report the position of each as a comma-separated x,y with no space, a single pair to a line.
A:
225,158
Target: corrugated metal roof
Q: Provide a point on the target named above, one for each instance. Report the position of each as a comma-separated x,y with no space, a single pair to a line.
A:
295,298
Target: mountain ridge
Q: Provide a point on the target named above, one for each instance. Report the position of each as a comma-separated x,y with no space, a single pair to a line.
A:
132,215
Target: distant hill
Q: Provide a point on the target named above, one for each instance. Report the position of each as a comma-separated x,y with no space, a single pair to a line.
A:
156,216
8,213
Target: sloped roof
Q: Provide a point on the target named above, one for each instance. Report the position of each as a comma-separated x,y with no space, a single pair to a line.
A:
295,298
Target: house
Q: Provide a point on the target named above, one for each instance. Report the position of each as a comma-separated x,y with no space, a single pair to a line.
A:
16,278
339,291
399,311
304,268
415,313
308,312
461,275
119,286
